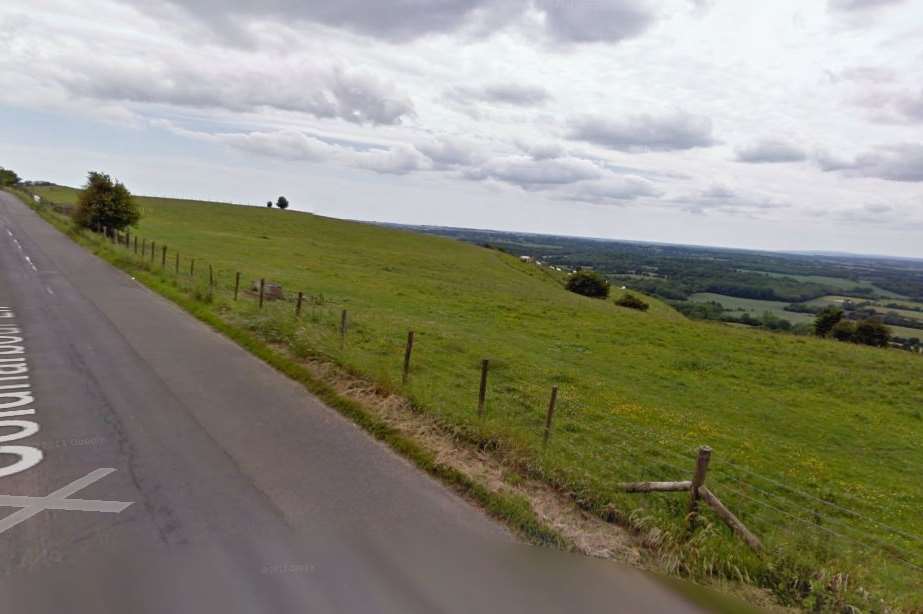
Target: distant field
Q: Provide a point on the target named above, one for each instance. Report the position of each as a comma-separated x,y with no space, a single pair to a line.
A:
836,283
797,423
753,306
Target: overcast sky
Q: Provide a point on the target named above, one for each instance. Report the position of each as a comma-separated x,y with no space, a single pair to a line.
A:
783,125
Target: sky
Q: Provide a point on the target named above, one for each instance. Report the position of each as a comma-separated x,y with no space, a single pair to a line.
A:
784,125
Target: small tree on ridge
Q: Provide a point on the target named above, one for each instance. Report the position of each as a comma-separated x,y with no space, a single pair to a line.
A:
282,203
105,203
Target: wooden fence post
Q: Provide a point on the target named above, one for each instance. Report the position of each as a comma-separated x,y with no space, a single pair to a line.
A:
343,317
262,284
407,352
143,248
482,391
298,304
192,267
211,278
153,249
177,263
127,239
550,416
136,245
236,285
698,479
163,258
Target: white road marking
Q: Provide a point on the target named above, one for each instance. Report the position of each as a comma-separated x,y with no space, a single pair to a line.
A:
49,290
15,399
59,500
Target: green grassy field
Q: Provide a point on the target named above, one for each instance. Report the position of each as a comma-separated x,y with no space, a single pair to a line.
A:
754,307
816,443
837,283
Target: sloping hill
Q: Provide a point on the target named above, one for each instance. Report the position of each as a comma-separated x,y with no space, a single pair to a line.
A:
816,443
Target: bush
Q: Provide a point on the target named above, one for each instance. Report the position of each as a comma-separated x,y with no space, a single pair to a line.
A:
632,302
105,203
282,203
588,283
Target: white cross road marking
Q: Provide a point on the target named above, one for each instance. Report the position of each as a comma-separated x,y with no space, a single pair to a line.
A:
59,500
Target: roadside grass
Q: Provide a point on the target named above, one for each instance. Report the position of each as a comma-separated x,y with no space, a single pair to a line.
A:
796,423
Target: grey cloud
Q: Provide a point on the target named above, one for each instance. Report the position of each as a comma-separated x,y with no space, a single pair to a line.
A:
614,190
863,74
394,20
726,200
641,133
530,173
596,21
900,162
501,93
451,151
323,92
860,5
294,145
770,151
400,20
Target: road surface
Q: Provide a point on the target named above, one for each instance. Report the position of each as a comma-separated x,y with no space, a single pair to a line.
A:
157,467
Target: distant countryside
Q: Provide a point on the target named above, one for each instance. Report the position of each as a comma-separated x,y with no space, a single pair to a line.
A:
774,291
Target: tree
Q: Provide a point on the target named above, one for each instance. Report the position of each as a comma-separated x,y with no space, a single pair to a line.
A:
588,283
872,332
826,320
8,177
282,203
104,203
269,204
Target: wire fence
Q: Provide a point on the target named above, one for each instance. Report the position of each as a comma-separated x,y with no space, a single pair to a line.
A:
838,532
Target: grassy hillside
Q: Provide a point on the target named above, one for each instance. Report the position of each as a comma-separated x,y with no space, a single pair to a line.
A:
816,443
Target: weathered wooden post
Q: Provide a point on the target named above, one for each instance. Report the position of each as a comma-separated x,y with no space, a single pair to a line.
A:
550,416
407,352
211,278
127,239
298,304
192,267
343,323
163,257
482,391
136,245
143,248
177,263
236,285
153,249
262,285
698,479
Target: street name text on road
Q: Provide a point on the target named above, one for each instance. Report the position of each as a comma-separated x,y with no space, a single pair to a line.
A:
15,398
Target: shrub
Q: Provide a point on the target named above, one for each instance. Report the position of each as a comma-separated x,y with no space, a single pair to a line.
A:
588,283
632,302
105,203
282,203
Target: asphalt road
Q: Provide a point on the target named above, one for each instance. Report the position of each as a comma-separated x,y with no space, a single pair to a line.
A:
181,474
